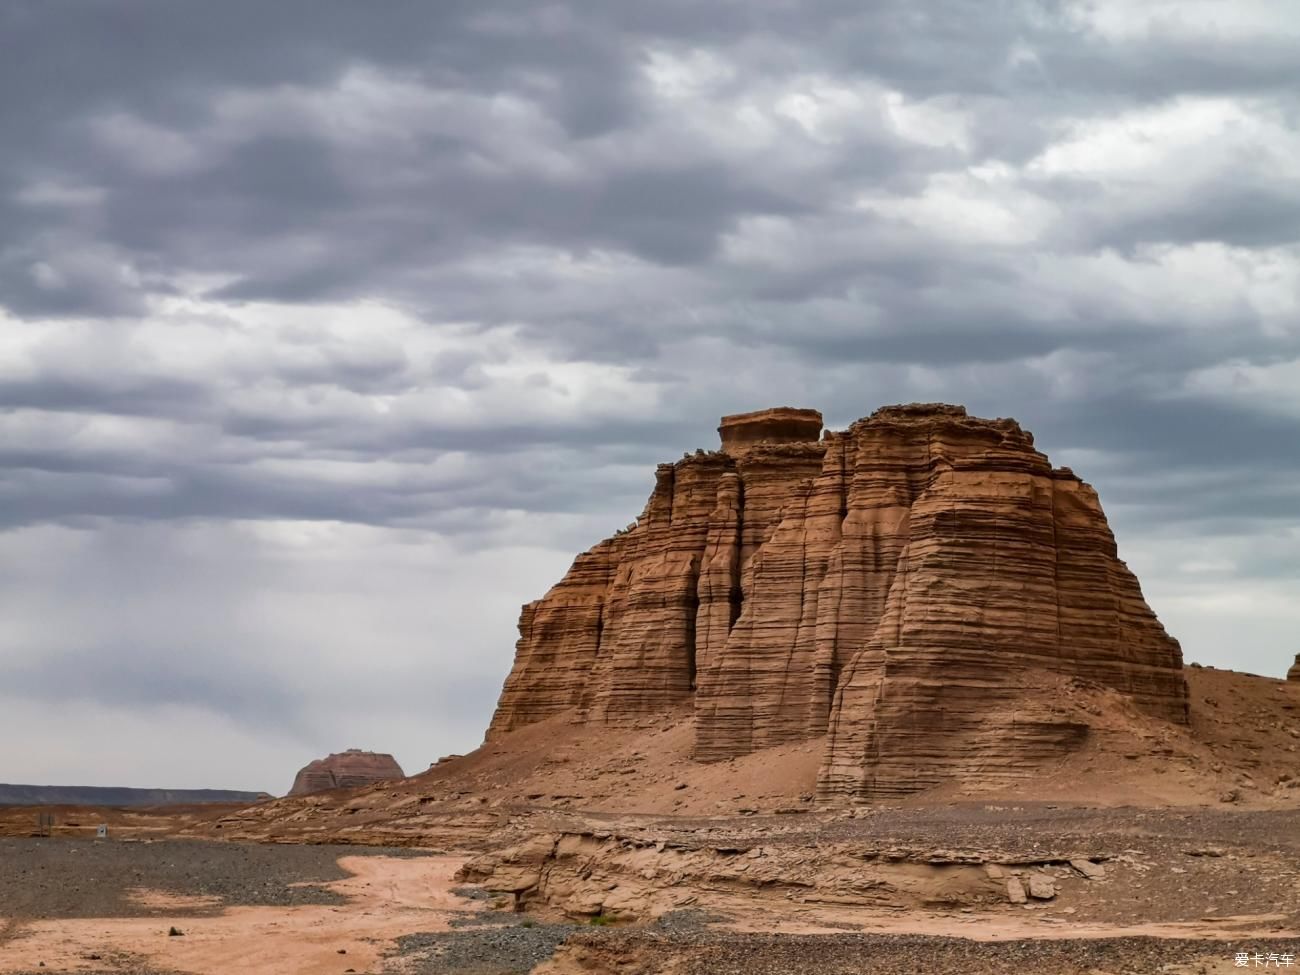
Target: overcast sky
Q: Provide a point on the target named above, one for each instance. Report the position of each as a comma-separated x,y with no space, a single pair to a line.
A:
331,331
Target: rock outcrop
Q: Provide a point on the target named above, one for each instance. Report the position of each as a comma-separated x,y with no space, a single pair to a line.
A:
1294,672
638,877
903,588
345,770
780,425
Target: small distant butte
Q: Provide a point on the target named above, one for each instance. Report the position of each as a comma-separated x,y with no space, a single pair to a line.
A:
345,770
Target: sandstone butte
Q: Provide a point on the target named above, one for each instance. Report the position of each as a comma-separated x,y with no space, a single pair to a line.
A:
1294,672
903,588
345,770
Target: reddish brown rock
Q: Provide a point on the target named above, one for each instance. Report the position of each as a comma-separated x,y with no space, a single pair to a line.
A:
903,587
616,639
780,425
1005,568
1294,672
345,770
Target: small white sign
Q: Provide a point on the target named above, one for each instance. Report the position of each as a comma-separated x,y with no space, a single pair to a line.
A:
101,832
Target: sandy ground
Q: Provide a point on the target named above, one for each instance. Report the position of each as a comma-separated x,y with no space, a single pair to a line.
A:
386,897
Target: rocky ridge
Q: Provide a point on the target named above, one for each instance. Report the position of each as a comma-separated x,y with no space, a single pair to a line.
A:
896,586
1294,672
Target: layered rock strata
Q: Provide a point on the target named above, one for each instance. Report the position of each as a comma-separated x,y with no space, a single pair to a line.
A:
345,770
898,587
642,877
781,425
1294,672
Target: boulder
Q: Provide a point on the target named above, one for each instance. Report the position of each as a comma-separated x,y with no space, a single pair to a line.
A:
1093,871
1041,887
1016,891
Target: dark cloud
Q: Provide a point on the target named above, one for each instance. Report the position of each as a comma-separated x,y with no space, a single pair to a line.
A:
1266,215
1163,64
142,396
145,678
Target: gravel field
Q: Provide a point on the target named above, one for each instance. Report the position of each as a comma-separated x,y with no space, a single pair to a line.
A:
511,948
722,954
75,878
119,965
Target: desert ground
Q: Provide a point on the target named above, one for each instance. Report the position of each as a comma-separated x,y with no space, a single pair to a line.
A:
895,890
1156,848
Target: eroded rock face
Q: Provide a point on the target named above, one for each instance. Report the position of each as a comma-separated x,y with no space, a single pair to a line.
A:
899,587
783,424
1294,672
345,770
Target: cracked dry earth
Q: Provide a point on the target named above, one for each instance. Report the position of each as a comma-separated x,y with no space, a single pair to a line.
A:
1107,890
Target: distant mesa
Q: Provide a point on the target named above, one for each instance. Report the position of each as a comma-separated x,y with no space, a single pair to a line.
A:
1294,672
88,795
345,770
918,590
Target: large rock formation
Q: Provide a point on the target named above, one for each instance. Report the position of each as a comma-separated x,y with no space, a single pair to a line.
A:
1294,672
907,588
345,770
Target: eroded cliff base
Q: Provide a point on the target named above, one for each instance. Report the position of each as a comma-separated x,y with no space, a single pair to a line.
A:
1239,749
